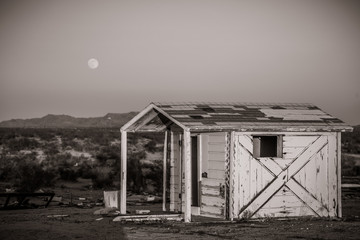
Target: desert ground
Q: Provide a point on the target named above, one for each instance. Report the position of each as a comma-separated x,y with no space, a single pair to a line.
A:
79,164
78,221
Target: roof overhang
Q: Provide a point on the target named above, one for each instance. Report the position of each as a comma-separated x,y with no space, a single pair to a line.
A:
260,118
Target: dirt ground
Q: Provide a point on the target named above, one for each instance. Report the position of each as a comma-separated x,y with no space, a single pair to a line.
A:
81,223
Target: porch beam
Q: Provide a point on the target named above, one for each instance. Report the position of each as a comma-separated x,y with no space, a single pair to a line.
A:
123,172
187,175
164,171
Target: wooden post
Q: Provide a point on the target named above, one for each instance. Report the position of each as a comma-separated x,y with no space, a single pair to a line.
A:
187,173
233,201
338,149
164,171
123,171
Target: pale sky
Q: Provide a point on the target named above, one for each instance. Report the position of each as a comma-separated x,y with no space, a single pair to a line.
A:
305,51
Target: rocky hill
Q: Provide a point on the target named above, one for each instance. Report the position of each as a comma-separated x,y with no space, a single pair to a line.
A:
65,121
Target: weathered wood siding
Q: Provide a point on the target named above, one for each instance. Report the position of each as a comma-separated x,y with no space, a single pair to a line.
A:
304,182
213,164
175,172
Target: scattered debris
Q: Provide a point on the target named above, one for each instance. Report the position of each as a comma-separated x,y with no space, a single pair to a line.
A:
140,218
57,216
105,211
57,199
99,219
150,198
111,199
142,211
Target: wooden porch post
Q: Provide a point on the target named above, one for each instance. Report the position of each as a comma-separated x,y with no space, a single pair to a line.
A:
123,171
187,173
164,171
338,151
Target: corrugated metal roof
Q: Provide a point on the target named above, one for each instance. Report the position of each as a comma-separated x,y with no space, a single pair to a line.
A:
250,116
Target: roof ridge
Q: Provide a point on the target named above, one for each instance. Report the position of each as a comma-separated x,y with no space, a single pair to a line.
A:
235,103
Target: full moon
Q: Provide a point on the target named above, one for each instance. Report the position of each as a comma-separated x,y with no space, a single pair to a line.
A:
93,63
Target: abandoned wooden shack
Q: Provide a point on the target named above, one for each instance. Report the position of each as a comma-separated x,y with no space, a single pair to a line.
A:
234,160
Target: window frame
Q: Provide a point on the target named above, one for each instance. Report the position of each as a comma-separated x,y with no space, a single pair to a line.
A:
257,146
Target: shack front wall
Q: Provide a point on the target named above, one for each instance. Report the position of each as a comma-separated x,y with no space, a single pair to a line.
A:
303,182
211,174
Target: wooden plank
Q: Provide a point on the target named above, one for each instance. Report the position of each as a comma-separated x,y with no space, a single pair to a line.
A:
295,141
216,174
270,165
267,193
208,182
217,138
322,187
292,152
246,142
283,163
285,212
306,155
187,173
332,176
137,117
144,120
210,200
204,153
234,176
211,191
123,172
164,171
244,186
175,172
215,156
307,198
211,211
216,165
217,147
310,176
255,178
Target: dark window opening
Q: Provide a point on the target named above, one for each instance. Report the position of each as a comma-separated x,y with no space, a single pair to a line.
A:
267,146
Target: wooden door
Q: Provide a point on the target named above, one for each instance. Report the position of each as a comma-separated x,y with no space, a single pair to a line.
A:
213,175
301,183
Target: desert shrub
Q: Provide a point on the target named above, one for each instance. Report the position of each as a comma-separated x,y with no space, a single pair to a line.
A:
7,167
85,170
154,174
22,143
30,177
68,172
151,146
102,177
51,149
108,156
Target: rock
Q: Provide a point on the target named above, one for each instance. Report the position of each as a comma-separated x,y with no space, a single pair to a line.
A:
104,211
142,211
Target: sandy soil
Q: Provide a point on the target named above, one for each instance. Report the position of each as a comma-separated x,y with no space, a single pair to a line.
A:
81,223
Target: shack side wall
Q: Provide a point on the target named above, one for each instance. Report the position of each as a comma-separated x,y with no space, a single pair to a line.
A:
304,182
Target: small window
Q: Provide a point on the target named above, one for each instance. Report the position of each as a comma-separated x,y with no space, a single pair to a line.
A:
267,146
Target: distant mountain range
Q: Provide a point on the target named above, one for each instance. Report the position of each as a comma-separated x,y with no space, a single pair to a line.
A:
64,121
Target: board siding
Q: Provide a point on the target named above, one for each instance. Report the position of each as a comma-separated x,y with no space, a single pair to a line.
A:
302,183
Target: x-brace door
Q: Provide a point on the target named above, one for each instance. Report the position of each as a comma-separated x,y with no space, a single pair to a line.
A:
274,177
